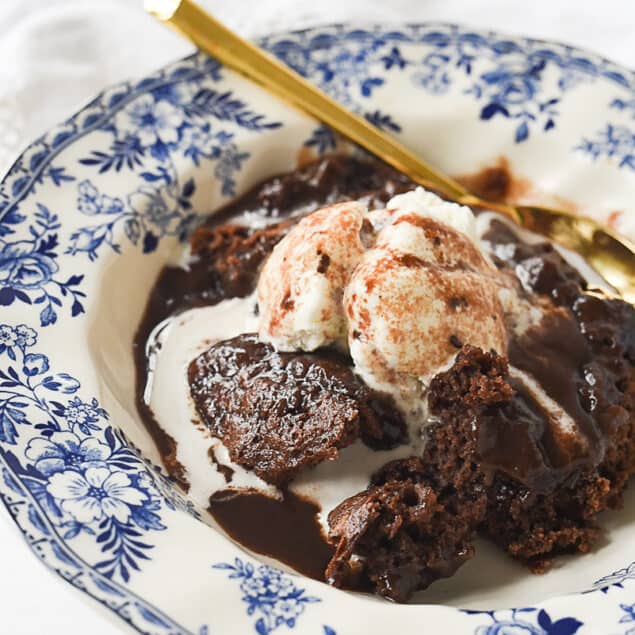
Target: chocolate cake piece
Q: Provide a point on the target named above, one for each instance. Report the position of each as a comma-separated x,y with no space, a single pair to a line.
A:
233,254
225,260
609,328
224,264
279,413
492,462
395,538
539,500
416,521
589,359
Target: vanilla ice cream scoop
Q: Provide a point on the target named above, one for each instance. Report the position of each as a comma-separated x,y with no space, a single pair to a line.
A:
403,289
302,283
420,293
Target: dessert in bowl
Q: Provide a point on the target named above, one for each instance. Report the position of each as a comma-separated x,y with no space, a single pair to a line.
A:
97,208
388,374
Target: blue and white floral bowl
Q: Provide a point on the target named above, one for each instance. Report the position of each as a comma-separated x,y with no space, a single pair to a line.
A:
91,211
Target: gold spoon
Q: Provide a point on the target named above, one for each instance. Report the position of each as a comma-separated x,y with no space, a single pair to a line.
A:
610,255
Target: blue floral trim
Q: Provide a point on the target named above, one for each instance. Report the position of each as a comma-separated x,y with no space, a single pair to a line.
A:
269,594
521,80
616,141
628,617
625,105
536,621
35,166
525,621
29,271
76,476
170,121
51,548
177,114
616,579
82,472
613,142
322,140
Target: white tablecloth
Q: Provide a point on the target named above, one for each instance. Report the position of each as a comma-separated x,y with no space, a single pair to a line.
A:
56,54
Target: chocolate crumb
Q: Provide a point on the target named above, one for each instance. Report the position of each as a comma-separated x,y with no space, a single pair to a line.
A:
325,261
409,261
287,303
458,302
455,341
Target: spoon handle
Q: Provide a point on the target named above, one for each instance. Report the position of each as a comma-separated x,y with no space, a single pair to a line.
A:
228,48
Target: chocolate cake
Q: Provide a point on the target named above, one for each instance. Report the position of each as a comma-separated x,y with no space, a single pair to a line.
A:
528,470
280,413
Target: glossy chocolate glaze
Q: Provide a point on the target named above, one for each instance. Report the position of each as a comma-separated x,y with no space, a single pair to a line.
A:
287,530
524,442
582,345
